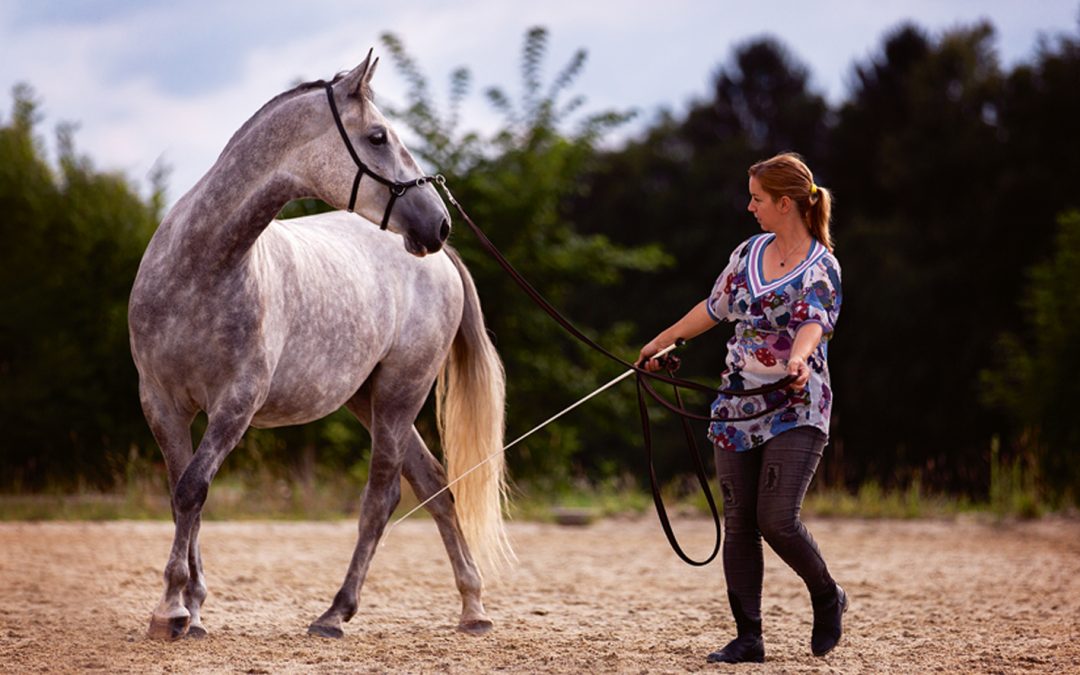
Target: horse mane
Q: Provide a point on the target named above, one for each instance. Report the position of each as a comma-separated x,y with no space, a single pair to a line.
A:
295,91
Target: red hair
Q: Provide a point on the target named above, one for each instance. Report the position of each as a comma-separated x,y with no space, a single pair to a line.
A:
786,175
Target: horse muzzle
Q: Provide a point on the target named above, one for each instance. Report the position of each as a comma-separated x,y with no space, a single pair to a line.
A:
420,245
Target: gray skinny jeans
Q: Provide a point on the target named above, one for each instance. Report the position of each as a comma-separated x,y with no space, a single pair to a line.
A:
763,490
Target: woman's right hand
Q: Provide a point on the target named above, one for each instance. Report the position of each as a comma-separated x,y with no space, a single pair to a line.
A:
696,322
645,357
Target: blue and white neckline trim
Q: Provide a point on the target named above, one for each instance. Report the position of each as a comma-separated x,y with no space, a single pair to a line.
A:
756,273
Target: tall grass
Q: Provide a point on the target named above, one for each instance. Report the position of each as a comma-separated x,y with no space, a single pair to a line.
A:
321,493
873,501
252,492
1014,485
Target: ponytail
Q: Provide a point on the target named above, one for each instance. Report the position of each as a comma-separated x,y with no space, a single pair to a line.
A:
819,215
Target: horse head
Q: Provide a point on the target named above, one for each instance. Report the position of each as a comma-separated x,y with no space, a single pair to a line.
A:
359,143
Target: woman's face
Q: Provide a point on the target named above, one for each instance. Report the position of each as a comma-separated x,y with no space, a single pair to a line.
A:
763,207
761,204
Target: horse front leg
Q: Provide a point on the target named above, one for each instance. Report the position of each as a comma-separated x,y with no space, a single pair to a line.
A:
173,434
426,476
174,615
172,431
195,591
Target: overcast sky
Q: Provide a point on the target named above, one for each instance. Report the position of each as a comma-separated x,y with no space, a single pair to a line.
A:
148,80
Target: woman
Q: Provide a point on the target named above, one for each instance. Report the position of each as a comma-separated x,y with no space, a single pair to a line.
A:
782,290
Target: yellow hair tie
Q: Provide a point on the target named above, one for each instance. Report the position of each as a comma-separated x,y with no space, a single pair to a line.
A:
813,189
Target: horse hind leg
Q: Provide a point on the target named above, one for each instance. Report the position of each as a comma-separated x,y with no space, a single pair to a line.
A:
426,476
380,497
389,426
178,612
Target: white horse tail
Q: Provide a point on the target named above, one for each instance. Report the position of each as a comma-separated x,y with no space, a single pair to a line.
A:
470,398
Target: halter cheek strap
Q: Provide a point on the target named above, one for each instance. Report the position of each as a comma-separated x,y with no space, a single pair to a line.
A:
396,188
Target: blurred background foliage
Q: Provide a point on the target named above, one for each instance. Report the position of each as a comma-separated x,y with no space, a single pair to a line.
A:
957,223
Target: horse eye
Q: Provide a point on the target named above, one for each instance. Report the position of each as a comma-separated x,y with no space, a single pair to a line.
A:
378,137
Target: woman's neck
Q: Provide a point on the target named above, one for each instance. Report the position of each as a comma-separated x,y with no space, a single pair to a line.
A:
792,237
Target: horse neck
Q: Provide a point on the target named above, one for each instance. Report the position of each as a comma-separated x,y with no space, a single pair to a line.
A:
220,218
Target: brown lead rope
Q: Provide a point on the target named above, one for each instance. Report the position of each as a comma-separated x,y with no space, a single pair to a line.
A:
643,386
699,470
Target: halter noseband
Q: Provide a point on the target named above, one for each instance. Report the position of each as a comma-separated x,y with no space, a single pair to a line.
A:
397,189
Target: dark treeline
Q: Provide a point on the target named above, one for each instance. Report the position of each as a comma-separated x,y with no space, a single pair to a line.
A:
956,224
950,175
72,240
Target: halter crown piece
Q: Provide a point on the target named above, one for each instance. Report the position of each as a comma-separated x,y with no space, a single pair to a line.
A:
397,188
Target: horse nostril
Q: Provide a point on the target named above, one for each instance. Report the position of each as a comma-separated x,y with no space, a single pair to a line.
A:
444,231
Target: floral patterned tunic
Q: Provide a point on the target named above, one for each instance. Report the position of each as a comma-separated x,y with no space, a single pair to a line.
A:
767,314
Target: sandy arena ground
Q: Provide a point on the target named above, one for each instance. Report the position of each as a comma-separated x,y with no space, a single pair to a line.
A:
927,596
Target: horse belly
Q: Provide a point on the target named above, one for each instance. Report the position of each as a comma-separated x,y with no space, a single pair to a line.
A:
313,383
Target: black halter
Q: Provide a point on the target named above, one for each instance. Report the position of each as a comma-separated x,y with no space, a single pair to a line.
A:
397,189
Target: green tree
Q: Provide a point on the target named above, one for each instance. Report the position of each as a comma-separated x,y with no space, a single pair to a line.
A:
1039,119
516,184
948,182
73,238
917,164
1034,379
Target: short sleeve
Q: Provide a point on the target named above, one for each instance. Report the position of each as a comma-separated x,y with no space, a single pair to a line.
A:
719,302
819,299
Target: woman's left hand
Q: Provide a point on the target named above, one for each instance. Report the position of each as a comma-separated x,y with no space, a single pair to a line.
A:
797,367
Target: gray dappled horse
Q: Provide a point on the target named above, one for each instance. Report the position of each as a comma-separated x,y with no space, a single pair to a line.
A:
266,323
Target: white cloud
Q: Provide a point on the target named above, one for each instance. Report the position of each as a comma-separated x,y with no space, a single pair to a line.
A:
119,76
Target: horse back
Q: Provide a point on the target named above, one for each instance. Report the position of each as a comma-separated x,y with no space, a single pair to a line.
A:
299,324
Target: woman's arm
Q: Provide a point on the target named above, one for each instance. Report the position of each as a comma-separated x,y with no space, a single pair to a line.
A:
694,323
806,341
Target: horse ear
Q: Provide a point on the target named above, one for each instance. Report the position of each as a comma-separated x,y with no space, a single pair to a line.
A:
370,72
357,82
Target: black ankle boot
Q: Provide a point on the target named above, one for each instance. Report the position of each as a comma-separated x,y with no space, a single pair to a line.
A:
748,647
829,610
743,649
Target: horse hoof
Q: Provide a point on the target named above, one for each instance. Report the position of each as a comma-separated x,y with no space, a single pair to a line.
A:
476,626
170,629
196,633
319,630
